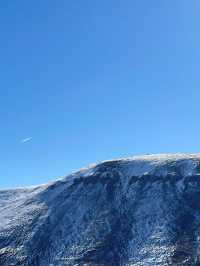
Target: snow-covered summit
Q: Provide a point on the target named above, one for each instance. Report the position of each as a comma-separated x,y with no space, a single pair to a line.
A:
158,164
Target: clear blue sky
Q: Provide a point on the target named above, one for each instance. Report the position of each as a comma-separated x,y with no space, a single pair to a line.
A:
94,80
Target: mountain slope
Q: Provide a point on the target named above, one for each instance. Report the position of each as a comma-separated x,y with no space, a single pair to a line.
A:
139,211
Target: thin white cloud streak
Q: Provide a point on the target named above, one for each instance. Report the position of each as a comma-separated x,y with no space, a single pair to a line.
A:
26,140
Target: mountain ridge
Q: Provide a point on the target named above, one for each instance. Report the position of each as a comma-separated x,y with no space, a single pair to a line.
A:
142,210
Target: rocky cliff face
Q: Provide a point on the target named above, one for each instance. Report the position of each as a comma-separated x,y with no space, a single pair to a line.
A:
139,211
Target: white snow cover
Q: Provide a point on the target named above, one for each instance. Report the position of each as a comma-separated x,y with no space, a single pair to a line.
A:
151,163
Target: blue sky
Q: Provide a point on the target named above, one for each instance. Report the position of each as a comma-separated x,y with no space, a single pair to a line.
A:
94,80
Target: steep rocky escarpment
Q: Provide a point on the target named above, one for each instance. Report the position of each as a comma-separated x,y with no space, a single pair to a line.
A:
139,211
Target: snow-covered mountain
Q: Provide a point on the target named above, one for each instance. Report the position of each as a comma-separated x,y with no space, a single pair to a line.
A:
139,211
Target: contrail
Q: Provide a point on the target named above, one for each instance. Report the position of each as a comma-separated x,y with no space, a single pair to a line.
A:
26,140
